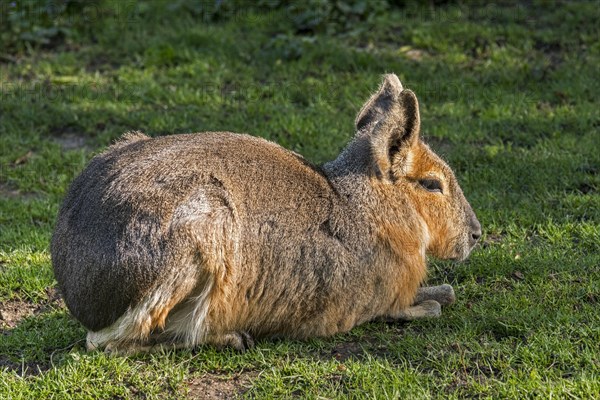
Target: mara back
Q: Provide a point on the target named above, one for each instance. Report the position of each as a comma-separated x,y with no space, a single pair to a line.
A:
219,237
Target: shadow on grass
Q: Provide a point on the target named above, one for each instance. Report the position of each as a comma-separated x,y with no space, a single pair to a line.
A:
45,343
39,342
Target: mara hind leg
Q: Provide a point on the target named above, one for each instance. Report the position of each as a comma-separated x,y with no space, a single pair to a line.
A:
208,219
206,318
139,322
188,325
177,313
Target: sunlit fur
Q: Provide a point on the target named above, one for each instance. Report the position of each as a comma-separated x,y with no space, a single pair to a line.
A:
447,215
218,237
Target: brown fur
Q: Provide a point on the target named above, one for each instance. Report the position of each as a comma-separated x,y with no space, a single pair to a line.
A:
218,238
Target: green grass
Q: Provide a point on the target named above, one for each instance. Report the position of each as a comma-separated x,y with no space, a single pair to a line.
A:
509,96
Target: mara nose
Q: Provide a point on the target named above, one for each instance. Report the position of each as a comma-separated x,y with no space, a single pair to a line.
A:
475,229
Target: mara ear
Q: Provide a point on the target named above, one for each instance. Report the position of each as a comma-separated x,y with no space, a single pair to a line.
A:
409,124
391,121
380,103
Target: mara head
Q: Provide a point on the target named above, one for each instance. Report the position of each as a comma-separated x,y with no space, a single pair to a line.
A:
390,123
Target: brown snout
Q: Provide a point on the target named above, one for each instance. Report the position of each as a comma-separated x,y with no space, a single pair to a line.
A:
475,228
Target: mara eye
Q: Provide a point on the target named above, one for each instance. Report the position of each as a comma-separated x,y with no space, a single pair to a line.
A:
432,185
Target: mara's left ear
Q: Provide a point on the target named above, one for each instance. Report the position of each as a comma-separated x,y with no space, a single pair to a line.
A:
380,103
391,121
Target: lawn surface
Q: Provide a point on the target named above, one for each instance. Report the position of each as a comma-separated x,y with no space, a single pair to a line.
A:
509,96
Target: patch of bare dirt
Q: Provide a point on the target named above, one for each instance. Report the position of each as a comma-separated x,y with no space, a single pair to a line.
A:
24,368
69,137
71,141
12,312
215,386
344,351
9,192
369,346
